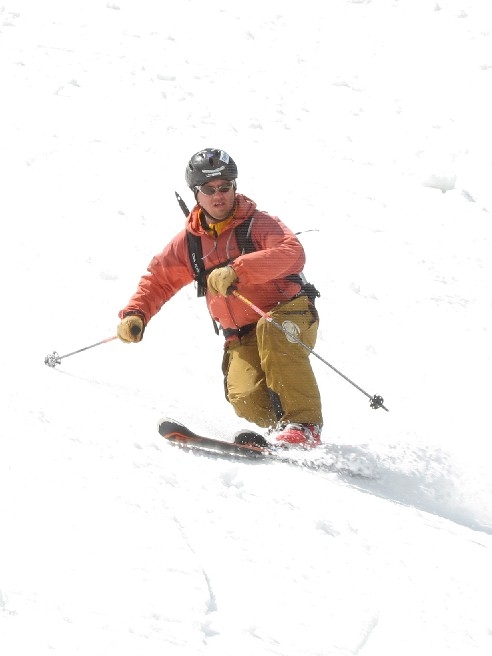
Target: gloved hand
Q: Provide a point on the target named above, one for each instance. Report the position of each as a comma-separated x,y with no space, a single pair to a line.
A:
131,328
221,281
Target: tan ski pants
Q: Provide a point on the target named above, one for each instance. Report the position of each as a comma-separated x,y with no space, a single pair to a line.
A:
268,378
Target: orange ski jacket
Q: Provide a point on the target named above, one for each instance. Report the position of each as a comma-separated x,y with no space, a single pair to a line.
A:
261,274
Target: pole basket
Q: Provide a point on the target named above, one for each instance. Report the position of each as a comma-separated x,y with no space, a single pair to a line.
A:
377,402
52,360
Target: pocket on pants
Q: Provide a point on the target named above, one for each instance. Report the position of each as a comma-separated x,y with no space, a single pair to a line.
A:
226,363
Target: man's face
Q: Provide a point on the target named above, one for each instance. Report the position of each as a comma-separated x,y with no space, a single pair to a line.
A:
219,204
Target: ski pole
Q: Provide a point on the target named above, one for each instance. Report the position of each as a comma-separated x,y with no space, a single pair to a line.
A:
54,359
376,401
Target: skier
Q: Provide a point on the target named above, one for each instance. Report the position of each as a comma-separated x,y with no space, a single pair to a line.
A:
268,377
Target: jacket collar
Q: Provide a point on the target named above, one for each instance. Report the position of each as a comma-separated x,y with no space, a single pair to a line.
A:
244,208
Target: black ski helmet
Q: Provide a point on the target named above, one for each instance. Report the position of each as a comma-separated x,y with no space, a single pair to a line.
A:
208,164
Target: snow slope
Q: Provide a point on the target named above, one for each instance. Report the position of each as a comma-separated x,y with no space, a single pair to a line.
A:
365,126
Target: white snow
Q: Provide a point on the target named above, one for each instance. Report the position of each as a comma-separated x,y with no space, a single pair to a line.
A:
365,125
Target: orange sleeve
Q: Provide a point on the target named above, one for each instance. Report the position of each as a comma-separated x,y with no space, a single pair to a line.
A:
166,274
279,252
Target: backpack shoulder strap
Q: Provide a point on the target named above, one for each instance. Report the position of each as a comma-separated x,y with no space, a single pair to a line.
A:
243,236
195,253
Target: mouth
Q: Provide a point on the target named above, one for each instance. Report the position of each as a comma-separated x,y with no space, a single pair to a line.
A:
219,207
219,204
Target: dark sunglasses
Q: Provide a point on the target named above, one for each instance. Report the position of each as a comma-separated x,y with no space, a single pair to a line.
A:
210,191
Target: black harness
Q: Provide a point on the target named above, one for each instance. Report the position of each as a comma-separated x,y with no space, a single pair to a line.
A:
244,241
246,245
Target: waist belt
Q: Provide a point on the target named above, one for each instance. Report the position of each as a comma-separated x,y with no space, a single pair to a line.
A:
238,332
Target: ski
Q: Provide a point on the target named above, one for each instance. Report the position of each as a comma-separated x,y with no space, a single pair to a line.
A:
184,437
346,460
